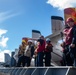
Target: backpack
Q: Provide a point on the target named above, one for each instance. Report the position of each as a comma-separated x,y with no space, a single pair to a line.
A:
49,48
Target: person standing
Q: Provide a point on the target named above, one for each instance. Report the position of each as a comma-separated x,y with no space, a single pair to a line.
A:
70,42
65,31
29,51
40,51
48,50
21,57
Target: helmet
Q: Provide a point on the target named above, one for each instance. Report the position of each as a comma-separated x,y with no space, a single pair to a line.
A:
69,20
48,40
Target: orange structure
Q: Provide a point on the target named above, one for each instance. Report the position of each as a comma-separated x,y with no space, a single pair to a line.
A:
70,12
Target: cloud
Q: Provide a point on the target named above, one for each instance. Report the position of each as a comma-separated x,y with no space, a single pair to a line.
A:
62,4
7,15
2,31
3,39
6,51
3,17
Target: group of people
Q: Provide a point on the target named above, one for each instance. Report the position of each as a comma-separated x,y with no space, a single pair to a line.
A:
25,54
42,50
69,44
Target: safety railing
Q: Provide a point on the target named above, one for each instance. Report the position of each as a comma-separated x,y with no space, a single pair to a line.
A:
38,71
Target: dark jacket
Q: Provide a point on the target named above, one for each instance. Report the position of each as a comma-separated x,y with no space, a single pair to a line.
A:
32,50
41,46
74,35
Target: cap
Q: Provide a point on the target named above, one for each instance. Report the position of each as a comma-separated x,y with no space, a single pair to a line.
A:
41,37
30,41
69,20
48,40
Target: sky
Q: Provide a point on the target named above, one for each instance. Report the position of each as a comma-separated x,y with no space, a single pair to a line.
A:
19,17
